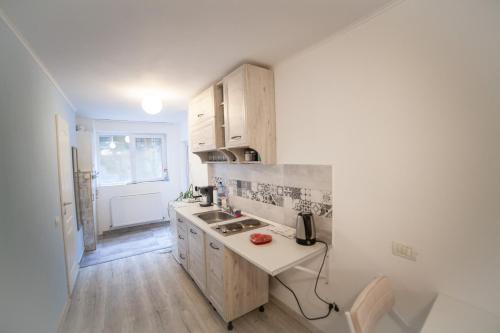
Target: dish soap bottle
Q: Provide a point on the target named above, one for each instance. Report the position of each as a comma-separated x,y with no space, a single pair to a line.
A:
221,195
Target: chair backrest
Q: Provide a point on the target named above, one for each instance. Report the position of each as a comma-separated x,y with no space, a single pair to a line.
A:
372,303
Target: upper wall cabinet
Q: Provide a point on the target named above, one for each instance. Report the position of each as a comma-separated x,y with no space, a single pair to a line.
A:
204,121
249,115
235,120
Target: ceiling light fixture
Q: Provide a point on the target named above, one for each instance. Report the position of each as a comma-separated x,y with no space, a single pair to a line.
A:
152,104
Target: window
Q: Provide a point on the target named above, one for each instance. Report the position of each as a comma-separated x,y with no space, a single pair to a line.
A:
125,159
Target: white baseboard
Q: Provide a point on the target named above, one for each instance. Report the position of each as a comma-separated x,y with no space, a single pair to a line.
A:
64,312
62,317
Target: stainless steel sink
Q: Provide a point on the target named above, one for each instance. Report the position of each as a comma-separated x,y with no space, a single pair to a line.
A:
241,226
215,216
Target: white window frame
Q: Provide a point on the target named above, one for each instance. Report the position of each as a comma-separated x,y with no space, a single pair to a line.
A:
133,162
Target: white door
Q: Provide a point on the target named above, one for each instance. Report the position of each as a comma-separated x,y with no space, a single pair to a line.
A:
67,201
234,108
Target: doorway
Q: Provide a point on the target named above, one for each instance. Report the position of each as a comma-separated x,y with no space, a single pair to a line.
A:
67,201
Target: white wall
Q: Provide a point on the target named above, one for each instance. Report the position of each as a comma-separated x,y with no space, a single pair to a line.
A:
406,108
175,163
32,276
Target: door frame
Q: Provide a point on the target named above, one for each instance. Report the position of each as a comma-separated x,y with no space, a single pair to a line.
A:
70,281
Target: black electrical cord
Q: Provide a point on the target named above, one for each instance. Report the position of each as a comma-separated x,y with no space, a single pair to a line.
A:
331,306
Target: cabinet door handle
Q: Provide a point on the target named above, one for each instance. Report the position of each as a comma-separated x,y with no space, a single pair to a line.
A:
236,137
199,115
213,246
180,237
179,220
182,257
192,231
201,143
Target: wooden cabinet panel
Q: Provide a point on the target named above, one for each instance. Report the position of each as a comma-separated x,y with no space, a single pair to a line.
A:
203,138
182,253
246,286
202,108
235,115
181,247
173,225
235,109
233,285
215,273
196,257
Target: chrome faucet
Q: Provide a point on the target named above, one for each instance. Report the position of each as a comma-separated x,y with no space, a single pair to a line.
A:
228,209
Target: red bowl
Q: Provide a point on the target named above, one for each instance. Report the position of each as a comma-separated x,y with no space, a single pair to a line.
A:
259,239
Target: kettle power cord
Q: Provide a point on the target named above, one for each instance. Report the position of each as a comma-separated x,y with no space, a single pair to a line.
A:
331,306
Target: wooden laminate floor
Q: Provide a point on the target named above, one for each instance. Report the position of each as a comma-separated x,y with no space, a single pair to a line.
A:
127,242
151,293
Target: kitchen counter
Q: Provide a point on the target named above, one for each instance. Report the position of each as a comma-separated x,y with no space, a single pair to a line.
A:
273,258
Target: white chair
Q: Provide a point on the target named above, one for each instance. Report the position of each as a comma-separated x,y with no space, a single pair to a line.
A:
375,301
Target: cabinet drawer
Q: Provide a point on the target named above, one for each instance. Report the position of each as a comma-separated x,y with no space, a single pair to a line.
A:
181,224
203,138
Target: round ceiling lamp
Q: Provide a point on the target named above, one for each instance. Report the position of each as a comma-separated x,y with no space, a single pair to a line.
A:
152,104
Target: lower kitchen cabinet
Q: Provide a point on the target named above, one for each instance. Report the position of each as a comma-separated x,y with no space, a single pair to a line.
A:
196,257
234,285
182,241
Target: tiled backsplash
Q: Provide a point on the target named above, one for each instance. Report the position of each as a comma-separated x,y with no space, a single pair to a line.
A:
279,192
318,202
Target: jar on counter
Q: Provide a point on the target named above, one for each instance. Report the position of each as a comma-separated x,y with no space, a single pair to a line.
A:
253,155
248,155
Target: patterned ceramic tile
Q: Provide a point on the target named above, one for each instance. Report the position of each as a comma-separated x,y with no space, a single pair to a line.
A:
327,198
316,208
302,205
279,190
293,192
305,194
287,202
300,199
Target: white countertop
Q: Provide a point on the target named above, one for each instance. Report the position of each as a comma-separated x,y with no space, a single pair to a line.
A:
449,315
273,258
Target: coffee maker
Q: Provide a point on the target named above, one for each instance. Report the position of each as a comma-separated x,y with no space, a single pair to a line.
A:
208,193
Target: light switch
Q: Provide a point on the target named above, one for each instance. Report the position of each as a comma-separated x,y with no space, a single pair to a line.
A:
404,251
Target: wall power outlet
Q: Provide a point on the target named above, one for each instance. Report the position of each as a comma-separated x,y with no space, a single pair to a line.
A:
404,251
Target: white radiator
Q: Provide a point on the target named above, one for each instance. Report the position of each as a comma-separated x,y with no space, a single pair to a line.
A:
138,208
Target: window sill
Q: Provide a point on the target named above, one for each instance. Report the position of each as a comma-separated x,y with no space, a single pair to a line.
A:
134,183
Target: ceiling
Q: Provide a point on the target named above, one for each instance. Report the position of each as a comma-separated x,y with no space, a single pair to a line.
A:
106,54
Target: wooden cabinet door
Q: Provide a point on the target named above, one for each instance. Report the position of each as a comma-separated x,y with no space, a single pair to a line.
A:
181,240
215,273
202,108
173,226
196,258
234,109
203,138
